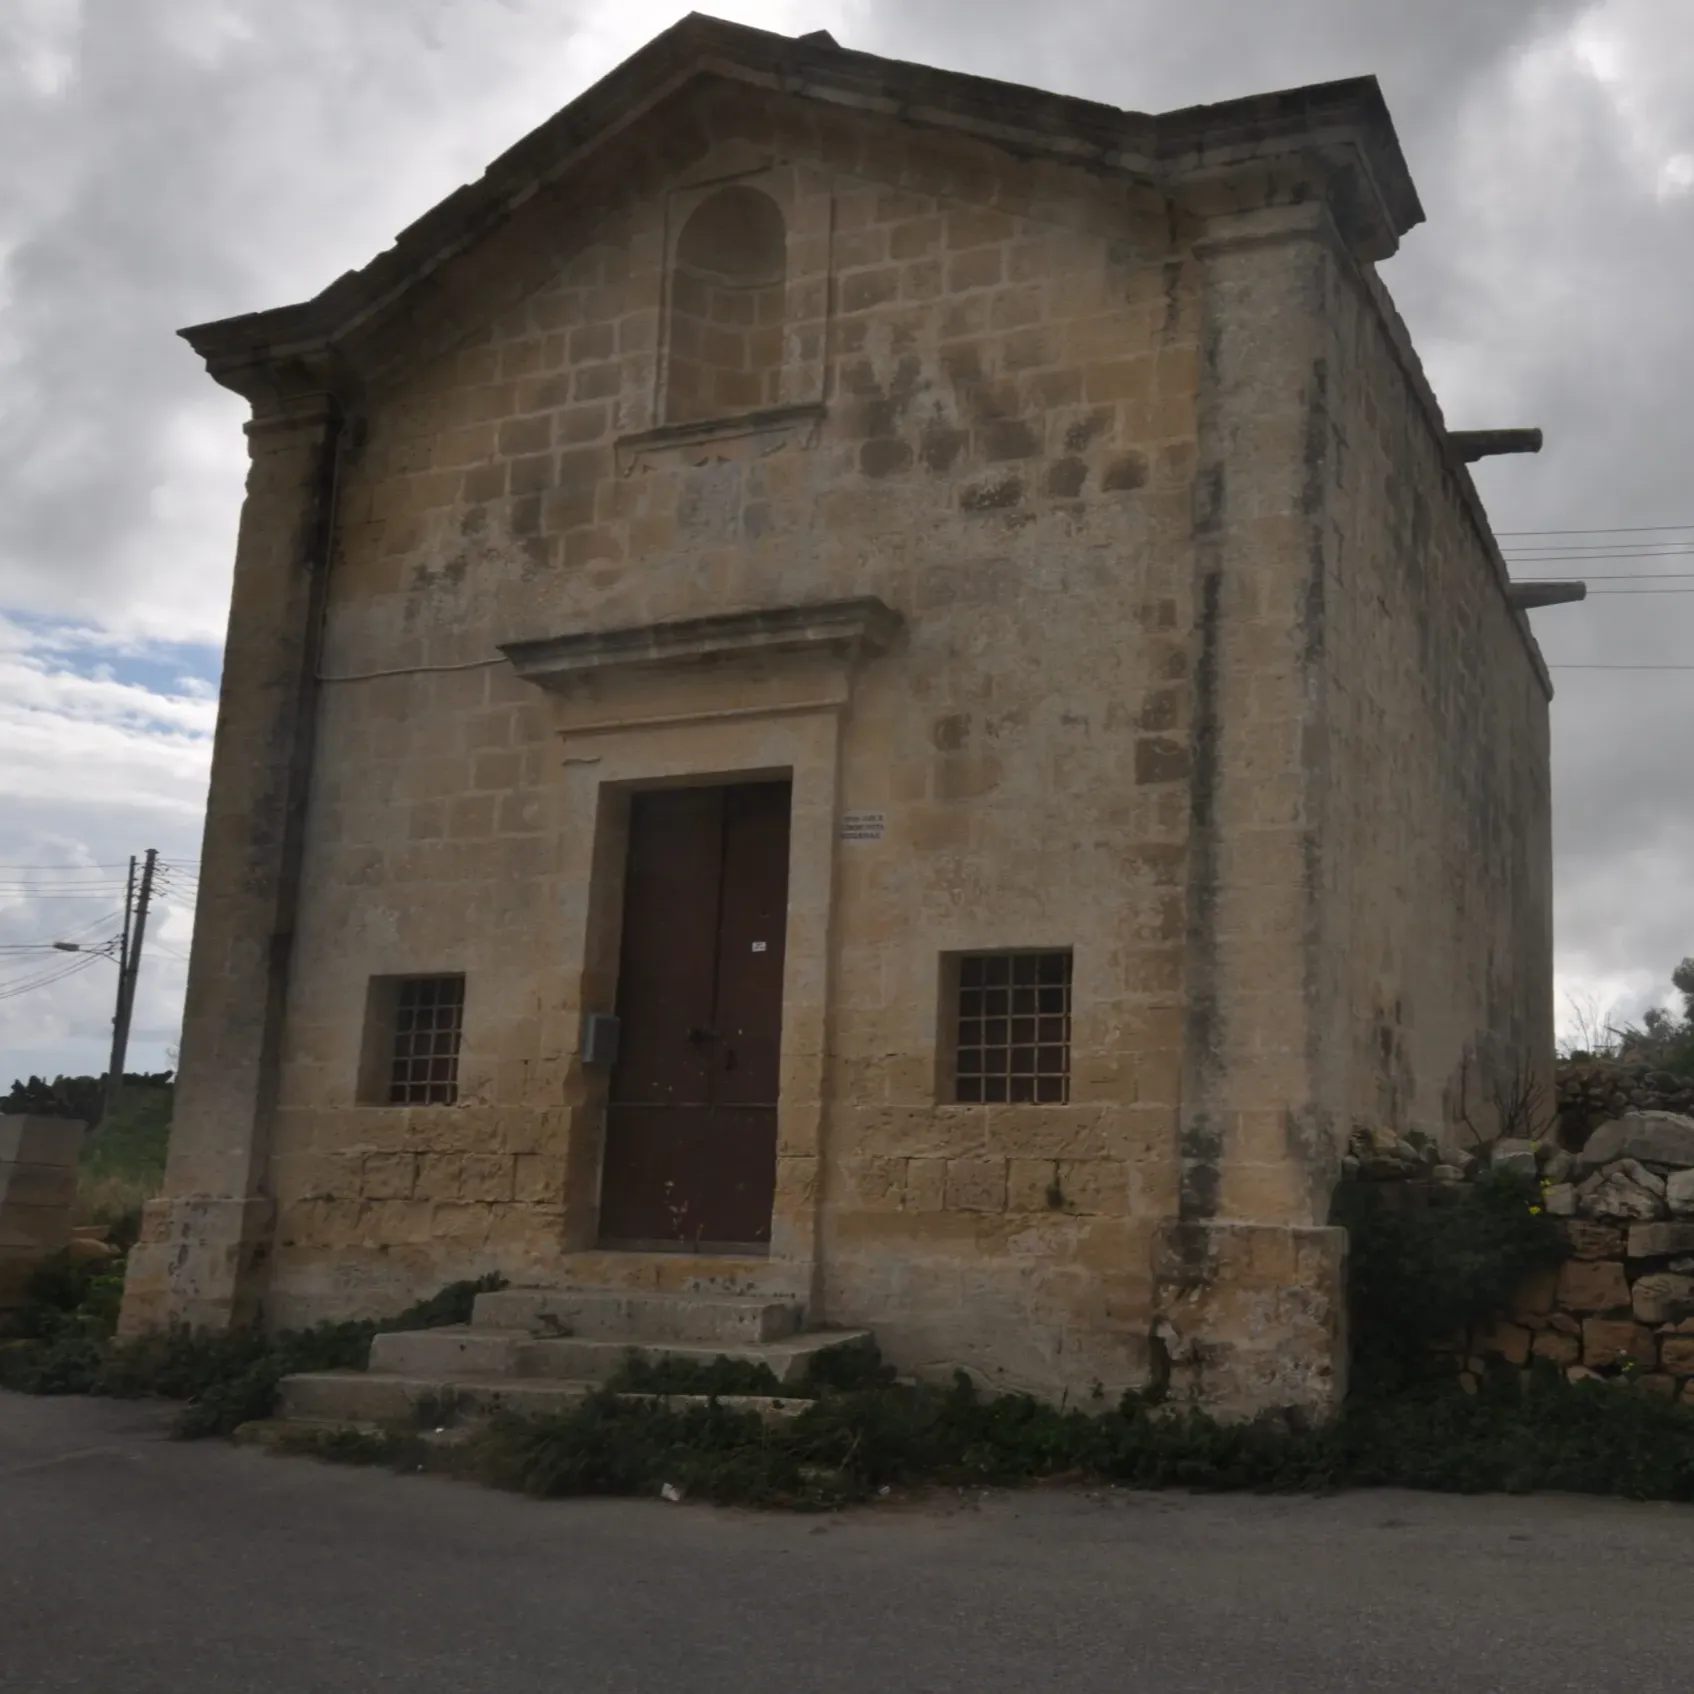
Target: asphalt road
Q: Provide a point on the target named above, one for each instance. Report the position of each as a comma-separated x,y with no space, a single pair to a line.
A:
133,1565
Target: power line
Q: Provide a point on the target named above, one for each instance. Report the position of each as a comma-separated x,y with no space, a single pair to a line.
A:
1593,556
11,990
1620,529
100,867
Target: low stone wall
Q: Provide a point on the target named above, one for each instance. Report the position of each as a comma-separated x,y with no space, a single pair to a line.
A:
38,1158
1621,1307
1595,1091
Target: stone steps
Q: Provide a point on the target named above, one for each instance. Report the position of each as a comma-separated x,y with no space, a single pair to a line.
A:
541,1350
385,1397
470,1350
619,1315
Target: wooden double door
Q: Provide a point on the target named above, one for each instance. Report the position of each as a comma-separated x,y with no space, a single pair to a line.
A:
691,1117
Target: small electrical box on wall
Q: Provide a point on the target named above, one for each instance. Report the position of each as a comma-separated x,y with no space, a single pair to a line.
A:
599,1039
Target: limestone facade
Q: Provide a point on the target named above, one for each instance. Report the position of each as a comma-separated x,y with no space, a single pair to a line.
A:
1053,486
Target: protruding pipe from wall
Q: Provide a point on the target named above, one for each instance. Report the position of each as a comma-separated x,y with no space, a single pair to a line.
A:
1526,596
1474,444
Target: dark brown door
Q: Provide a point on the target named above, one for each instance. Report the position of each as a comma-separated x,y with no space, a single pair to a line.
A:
691,1116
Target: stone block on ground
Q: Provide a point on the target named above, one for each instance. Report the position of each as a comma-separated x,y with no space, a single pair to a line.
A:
1560,1200
1515,1156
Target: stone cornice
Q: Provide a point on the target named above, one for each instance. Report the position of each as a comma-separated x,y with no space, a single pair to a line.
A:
1332,140
847,627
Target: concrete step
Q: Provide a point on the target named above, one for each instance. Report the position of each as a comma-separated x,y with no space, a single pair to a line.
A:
377,1400
386,1397
462,1350
601,1314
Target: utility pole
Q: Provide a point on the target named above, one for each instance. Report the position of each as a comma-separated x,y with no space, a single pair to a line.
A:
129,967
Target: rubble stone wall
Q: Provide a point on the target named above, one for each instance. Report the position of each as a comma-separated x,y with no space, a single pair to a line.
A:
1621,1306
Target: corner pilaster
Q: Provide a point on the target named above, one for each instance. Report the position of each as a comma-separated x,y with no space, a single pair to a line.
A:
1250,1278
205,1242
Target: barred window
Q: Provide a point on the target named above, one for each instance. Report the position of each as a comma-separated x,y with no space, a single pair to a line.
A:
1012,1028
429,1020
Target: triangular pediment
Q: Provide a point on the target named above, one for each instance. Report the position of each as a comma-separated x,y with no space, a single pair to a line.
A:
623,131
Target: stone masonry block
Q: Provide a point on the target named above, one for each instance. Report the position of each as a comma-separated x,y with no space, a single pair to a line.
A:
1597,1285
538,1179
1032,1185
926,1185
976,1185
1676,1354
1558,1349
388,1176
1611,1341
30,1140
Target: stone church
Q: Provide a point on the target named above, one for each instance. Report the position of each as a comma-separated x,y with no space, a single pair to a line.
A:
867,695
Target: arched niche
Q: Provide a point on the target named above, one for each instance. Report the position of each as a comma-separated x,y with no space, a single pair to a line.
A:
724,336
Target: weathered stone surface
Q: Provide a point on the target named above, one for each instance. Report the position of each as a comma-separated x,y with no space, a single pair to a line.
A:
38,1159
1662,1297
1593,1285
1560,1200
1515,1156
978,339
1619,1196
1589,1239
1508,1341
1656,1138
1558,1166
1557,1348
1676,1354
1660,1240
1639,1173
1655,1382
1679,1192
1537,1294
1608,1342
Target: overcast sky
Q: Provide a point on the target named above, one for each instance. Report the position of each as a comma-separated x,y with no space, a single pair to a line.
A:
165,162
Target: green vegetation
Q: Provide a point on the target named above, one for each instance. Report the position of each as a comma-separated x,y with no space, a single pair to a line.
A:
1417,1277
1587,1438
62,1344
1663,1038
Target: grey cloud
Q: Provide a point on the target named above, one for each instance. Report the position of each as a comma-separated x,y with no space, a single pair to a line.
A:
1549,287
205,159
188,172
